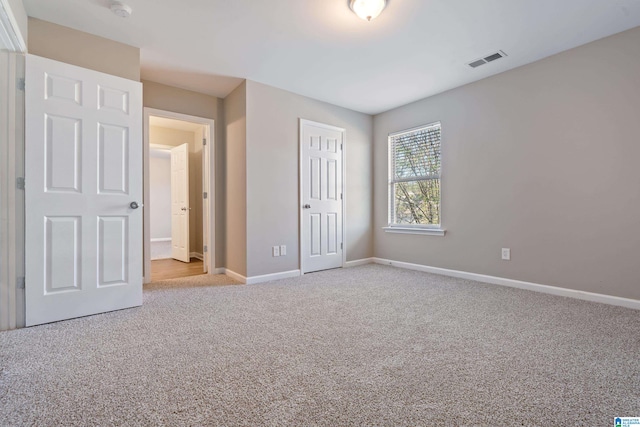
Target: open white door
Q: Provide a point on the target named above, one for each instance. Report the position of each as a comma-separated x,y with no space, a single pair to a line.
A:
321,188
84,186
180,203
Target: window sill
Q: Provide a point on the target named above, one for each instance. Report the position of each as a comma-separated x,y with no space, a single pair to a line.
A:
415,230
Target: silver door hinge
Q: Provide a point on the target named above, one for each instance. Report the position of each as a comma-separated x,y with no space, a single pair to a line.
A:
341,146
20,183
341,245
340,196
204,141
206,249
21,84
20,283
205,195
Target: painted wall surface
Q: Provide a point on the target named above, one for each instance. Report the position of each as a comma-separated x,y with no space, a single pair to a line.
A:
235,107
272,175
542,159
168,98
20,14
84,50
174,137
167,136
160,193
195,192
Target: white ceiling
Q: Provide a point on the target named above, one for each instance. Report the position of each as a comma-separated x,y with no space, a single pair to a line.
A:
319,48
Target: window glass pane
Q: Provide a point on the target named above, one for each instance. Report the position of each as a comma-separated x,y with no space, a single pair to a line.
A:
417,202
416,154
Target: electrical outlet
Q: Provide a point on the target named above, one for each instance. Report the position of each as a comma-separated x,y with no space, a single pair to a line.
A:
276,251
506,254
283,250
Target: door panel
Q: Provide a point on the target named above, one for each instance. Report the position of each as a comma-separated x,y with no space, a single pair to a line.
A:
113,159
321,164
63,255
113,244
180,203
63,145
83,169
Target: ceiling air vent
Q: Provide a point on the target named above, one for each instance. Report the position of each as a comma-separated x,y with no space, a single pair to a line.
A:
478,62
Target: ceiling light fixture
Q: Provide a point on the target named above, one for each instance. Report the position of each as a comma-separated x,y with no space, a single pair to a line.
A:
368,9
121,9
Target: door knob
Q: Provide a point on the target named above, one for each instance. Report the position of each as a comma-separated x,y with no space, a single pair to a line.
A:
307,206
134,205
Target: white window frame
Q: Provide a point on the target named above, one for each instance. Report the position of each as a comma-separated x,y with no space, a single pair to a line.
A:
428,229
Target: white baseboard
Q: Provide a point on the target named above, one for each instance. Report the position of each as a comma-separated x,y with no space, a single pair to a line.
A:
196,255
220,270
274,276
553,290
258,279
161,239
235,276
357,262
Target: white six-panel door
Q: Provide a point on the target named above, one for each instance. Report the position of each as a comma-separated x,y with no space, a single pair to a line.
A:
83,169
180,203
322,199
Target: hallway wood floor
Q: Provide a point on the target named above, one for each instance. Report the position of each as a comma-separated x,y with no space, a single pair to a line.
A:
163,269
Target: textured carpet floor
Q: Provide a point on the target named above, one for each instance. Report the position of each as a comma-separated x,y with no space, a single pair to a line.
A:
370,345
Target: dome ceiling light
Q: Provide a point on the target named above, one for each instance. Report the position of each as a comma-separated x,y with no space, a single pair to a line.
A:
368,9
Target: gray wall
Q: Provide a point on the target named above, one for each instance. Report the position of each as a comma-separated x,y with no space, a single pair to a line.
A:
235,107
160,193
542,159
272,175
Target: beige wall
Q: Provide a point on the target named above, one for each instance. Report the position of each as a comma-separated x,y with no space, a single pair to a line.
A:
272,175
168,136
84,50
20,14
542,159
169,98
175,137
235,107
195,193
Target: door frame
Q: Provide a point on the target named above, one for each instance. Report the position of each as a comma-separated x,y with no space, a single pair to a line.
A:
208,180
343,131
12,230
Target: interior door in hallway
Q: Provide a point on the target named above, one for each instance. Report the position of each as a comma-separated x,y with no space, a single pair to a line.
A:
83,173
321,148
180,203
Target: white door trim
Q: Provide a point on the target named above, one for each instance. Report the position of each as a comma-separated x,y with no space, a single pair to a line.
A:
208,207
10,35
12,229
302,123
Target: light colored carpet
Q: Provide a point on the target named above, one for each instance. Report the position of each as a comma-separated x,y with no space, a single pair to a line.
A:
160,250
370,345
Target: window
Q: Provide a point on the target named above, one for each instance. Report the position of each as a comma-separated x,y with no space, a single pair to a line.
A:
414,178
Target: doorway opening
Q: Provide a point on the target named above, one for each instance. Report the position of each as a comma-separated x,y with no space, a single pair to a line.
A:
178,230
